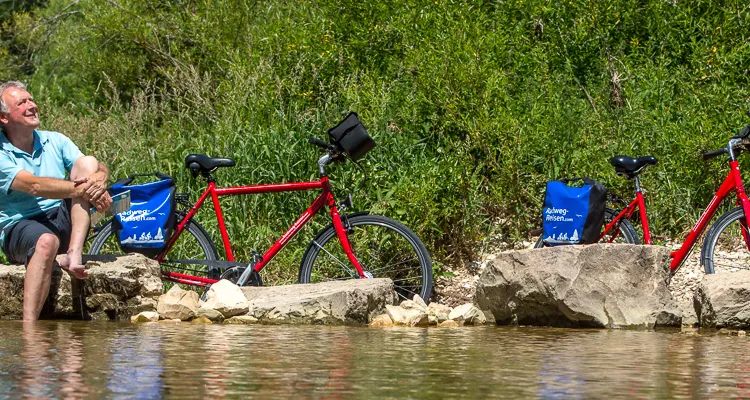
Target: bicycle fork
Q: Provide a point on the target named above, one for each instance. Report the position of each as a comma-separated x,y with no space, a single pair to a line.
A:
343,234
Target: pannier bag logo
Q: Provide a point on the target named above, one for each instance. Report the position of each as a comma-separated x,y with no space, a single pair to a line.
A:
552,214
146,216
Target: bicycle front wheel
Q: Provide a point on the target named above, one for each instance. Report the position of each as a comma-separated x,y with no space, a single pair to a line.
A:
193,245
725,248
385,248
622,233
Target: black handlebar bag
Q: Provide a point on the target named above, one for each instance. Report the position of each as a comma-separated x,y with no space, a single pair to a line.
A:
573,211
351,137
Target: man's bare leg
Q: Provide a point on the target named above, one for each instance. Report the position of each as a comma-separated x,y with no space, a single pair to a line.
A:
38,276
79,220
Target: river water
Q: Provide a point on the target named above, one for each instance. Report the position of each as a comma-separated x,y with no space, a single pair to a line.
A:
60,359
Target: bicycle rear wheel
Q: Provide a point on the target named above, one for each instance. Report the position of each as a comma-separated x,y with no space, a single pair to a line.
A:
724,248
623,233
384,247
193,245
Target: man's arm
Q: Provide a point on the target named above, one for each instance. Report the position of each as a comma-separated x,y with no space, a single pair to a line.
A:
49,188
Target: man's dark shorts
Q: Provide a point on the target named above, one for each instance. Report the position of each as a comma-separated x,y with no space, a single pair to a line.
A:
20,239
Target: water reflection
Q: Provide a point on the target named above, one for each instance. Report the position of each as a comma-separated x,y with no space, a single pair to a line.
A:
135,364
163,360
51,362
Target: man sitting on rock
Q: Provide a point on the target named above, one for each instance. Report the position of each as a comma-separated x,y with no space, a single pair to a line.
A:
41,213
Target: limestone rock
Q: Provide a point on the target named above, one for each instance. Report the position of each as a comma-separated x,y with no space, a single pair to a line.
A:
467,314
226,298
433,320
420,302
382,320
145,316
117,288
599,285
440,311
242,320
354,301
449,324
209,313
201,320
177,304
412,305
722,301
407,317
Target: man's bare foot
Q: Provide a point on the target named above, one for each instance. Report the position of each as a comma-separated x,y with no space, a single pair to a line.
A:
79,271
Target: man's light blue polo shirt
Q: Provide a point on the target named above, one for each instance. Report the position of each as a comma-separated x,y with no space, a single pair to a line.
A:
53,157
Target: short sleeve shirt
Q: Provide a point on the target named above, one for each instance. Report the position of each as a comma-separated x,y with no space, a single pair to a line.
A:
53,157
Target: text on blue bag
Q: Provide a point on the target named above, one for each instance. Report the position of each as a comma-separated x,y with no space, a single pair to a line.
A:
572,215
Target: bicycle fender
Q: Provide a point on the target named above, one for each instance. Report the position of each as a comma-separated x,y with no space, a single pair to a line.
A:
356,214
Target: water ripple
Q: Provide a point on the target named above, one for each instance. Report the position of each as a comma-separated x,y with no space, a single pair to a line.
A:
167,360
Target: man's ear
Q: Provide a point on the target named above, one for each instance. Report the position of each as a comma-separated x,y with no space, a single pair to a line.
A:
3,118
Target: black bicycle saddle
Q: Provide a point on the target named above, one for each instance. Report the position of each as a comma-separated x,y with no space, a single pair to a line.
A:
630,166
206,163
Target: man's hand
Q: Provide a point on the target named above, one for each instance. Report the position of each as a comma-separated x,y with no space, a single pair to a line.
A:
96,193
103,202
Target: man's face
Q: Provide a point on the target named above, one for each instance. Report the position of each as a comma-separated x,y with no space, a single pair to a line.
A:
22,111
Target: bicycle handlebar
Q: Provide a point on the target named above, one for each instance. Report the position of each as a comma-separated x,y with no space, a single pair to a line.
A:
319,143
714,153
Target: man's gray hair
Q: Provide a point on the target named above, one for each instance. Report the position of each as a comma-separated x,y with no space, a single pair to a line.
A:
15,84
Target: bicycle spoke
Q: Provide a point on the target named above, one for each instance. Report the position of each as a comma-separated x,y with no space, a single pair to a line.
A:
341,264
393,265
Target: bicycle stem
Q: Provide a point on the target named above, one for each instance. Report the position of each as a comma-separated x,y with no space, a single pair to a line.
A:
322,162
730,148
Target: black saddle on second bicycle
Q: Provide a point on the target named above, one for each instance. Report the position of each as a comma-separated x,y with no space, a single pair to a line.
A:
206,163
630,166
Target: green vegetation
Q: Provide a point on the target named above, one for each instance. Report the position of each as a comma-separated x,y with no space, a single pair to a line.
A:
474,104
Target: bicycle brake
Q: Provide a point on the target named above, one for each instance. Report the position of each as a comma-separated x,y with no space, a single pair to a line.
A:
346,203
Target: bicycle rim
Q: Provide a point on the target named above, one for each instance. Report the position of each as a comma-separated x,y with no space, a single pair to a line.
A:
384,248
725,249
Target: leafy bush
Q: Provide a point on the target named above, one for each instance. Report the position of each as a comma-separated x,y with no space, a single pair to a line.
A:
474,104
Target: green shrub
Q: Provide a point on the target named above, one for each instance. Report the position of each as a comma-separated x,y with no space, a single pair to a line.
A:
474,104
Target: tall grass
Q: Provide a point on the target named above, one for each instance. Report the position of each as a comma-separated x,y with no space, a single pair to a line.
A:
474,104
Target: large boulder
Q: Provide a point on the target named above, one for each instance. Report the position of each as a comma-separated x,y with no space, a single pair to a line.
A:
117,288
353,302
723,300
600,285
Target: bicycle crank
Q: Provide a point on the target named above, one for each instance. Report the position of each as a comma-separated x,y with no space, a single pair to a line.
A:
233,275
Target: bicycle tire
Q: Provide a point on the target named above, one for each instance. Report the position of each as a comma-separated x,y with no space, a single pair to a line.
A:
198,247
407,262
723,248
626,231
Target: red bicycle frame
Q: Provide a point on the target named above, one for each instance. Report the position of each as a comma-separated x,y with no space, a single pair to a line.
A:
733,182
323,199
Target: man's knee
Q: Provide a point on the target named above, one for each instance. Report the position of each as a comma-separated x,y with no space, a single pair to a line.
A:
47,245
84,166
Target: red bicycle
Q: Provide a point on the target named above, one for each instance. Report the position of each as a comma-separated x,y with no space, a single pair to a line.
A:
727,243
353,246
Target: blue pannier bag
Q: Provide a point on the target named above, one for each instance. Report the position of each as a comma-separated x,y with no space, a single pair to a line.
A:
573,214
146,227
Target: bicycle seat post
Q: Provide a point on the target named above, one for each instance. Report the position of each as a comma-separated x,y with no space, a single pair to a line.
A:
637,181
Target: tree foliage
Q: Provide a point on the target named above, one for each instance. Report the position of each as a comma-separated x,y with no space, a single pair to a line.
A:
474,104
